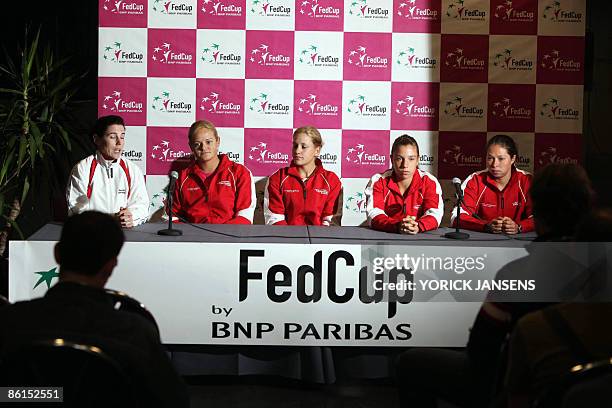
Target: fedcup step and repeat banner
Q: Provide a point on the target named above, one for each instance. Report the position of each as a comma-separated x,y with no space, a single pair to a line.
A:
451,73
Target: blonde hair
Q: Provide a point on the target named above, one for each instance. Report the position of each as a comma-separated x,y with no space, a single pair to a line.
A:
311,132
202,124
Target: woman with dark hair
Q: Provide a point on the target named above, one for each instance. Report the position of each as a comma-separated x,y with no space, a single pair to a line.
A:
497,199
404,199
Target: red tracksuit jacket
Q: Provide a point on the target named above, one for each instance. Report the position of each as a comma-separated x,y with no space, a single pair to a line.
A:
387,207
227,196
290,201
483,201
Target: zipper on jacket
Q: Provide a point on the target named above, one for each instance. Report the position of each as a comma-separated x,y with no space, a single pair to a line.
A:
404,209
502,202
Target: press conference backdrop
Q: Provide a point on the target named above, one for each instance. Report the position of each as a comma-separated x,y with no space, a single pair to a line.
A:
452,73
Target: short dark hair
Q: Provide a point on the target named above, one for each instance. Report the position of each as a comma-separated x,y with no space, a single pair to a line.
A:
562,195
404,140
88,241
504,141
104,122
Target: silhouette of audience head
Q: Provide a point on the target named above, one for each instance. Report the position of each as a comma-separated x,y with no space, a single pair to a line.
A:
562,195
596,227
88,248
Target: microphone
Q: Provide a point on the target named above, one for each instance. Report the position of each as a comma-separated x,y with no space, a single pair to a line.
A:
171,187
457,184
457,234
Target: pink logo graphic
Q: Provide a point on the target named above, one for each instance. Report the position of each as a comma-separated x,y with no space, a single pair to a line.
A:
222,14
417,16
554,11
361,9
269,54
548,149
215,54
367,56
167,148
172,8
456,108
460,153
318,103
221,101
364,153
465,58
165,103
502,108
319,15
117,54
310,56
120,13
511,108
267,150
359,106
409,59
551,109
560,60
415,106
504,60
269,9
172,53
356,203
513,17
125,97
265,105
458,10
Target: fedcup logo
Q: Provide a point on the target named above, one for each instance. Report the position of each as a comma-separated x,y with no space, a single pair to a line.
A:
314,9
359,57
356,203
457,10
550,155
554,61
263,56
164,103
361,9
172,8
455,157
358,154
116,104
507,12
310,56
164,54
122,7
409,108
212,103
410,10
504,60
269,9
551,109
502,108
457,60
358,106
310,106
214,55
115,53
165,152
554,11
455,107
260,153
265,105
408,58
220,9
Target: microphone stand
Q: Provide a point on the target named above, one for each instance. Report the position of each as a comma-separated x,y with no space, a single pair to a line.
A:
456,234
170,231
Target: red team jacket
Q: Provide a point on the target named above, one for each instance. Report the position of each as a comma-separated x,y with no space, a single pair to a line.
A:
290,201
386,206
483,201
227,196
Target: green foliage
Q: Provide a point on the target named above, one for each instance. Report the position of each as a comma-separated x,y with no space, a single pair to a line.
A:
32,135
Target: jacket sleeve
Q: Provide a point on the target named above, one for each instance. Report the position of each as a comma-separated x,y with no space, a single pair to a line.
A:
469,207
332,212
526,222
274,208
433,205
138,202
375,204
76,190
244,204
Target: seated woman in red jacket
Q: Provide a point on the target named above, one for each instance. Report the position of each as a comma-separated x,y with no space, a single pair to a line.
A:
213,189
303,193
497,199
404,199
